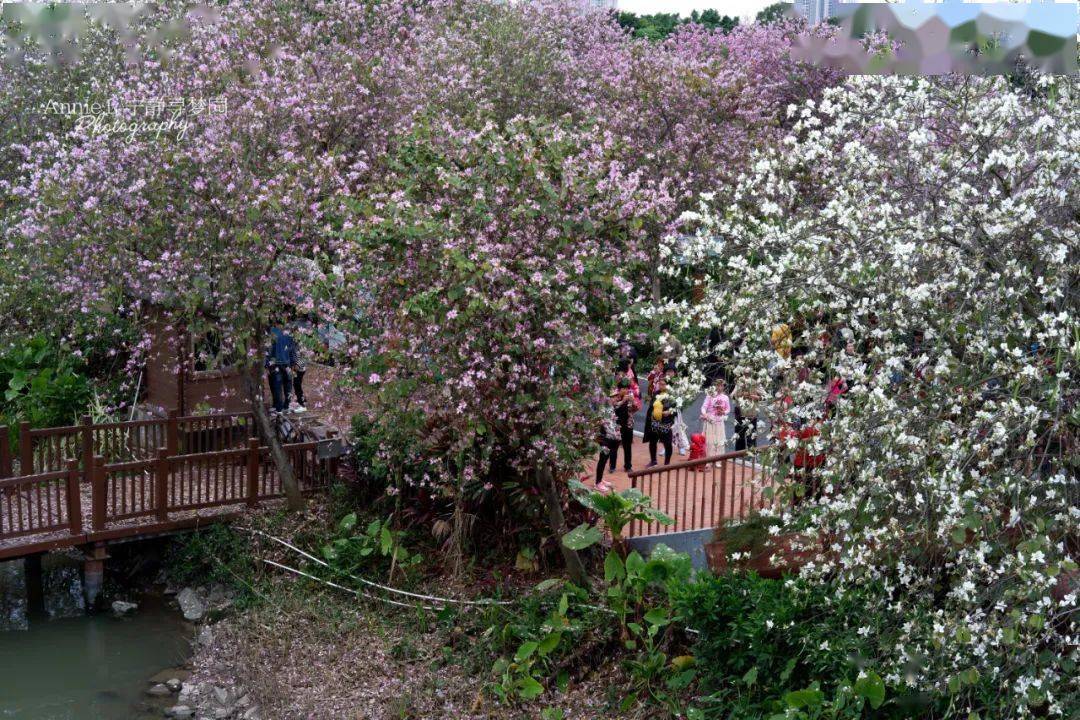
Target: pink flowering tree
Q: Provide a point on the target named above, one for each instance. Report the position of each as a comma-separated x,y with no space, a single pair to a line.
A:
489,266
687,111
218,225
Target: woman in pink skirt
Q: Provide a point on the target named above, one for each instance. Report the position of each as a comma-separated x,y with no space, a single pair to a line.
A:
714,412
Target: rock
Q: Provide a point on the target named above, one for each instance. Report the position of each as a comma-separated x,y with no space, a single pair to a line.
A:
121,607
191,605
206,636
174,684
180,712
220,597
244,701
252,713
224,697
188,692
170,674
223,714
158,690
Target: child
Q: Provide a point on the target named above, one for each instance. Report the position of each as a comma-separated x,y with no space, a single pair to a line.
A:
697,449
714,413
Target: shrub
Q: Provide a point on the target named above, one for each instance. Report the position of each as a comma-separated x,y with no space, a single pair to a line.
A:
760,640
42,385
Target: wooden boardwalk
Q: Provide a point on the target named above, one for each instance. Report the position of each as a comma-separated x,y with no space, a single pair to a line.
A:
158,476
696,495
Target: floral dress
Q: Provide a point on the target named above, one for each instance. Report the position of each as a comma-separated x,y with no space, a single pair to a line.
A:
714,414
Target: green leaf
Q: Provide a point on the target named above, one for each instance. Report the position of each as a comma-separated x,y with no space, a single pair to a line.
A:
657,616
528,688
613,567
525,651
347,523
871,687
808,698
564,604
683,662
751,676
549,643
583,536
386,541
635,564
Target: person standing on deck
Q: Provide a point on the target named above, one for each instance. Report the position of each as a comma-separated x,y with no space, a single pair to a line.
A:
608,439
714,414
662,422
626,405
281,356
299,367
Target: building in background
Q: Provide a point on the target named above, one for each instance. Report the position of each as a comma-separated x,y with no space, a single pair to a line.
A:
816,11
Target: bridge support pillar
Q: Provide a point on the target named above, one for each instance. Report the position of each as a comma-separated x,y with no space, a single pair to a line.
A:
35,594
94,572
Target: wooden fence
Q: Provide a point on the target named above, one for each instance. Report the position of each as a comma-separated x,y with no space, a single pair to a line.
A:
144,496
46,450
702,494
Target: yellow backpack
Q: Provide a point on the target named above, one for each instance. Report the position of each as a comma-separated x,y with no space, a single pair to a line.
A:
657,409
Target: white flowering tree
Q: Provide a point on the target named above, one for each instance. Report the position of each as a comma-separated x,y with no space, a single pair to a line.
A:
920,241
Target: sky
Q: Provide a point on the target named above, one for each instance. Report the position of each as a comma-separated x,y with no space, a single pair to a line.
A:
741,8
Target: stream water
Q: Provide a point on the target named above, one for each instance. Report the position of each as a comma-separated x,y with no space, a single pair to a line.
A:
58,662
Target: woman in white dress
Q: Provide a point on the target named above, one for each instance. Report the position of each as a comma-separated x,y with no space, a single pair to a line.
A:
714,412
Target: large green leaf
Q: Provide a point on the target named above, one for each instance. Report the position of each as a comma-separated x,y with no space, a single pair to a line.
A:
528,688
583,536
871,687
525,651
808,698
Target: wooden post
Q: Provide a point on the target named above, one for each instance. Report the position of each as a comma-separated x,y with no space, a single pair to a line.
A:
26,450
97,495
172,439
253,472
88,448
161,485
74,498
5,452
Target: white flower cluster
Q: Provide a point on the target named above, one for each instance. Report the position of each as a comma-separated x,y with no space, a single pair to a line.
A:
914,247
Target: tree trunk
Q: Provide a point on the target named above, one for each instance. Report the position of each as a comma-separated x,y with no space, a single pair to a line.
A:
558,525
294,500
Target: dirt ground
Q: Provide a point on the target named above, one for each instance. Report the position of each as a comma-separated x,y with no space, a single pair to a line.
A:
320,656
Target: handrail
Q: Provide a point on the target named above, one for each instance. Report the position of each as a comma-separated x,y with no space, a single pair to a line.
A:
31,479
59,430
688,463
214,416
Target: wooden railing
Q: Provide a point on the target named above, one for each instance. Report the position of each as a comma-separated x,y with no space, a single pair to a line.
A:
172,484
41,503
45,450
701,494
135,497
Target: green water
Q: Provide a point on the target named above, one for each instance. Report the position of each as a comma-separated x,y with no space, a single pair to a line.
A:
59,663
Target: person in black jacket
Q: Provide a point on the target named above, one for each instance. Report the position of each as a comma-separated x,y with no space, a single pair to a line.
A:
625,406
